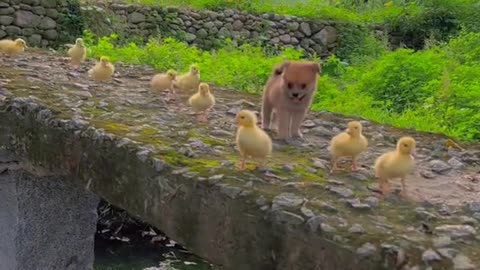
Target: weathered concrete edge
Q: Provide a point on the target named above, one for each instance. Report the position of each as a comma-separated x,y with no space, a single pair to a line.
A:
231,232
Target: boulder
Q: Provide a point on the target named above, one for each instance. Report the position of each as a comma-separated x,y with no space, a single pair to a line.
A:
25,18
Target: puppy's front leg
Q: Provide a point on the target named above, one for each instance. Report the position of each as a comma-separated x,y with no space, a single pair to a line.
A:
283,119
297,120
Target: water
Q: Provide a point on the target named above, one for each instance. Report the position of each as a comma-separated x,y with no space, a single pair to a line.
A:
123,243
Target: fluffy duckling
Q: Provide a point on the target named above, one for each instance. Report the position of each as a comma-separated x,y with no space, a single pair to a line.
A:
252,141
202,101
350,143
77,53
163,81
396,164
190,80
102,71
12,47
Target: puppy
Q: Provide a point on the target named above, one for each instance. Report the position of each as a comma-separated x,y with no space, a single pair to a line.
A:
288,95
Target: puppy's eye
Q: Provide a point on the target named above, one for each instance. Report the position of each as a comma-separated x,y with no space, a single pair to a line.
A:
290,85
303,86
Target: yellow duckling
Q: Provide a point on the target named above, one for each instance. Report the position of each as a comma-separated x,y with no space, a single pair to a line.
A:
12,47
252,141
163,81
102,71
202,101
396,164
77,53
350,143
190,80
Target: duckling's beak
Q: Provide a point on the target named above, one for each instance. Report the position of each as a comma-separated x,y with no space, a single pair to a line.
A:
413,153
348,131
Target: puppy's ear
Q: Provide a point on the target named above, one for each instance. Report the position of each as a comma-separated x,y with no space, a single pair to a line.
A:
277,70
317,68
285,65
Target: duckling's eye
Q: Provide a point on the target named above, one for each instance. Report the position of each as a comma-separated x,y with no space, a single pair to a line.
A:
356,127
289,85
242,117
406,145
303,86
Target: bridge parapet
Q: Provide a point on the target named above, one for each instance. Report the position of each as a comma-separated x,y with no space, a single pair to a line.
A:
147,155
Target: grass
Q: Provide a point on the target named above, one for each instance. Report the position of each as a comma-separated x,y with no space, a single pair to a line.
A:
435,90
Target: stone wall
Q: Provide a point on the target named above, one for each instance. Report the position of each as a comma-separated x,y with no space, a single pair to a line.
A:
207,29
34,20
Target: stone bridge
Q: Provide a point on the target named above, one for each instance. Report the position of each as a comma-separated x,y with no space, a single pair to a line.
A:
67,141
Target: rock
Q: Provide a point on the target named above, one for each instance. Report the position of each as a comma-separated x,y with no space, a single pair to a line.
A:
462,262
308,124
372,201
327,228
7,11
83,94
366,250
47,23
293,26
457,231
48,3
474,206
286,200
215,178
341,191
6,20
136,17
39,10
231,191
430,255
13,30
28,32
2,33
321,131
469,221
313,224
288,167
307,212
221,133
358,176
52,13
449,253
320,163
439,166
51,34
189,37
455,163
356,204
305,28
285,217
237,25
202,33
24,18
442,241
427,174
326,36
356,229
285,38
424,214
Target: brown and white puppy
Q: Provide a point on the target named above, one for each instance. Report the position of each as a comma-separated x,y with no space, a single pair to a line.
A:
287,95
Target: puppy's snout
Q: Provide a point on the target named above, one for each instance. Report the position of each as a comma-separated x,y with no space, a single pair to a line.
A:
295,95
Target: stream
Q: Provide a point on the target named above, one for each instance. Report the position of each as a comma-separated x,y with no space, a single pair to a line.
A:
124,243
